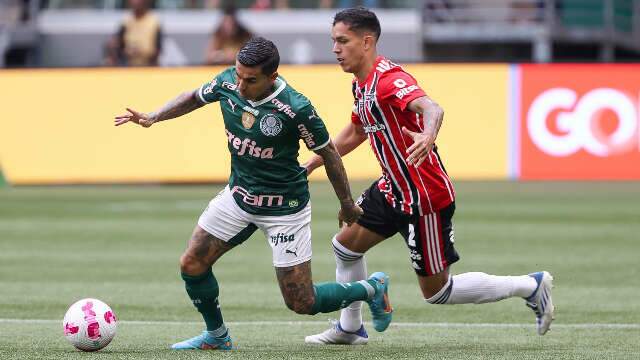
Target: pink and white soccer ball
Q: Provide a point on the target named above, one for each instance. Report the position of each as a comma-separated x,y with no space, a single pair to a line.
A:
89,324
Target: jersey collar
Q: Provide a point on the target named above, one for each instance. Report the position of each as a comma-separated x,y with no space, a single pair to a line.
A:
373,71
281,87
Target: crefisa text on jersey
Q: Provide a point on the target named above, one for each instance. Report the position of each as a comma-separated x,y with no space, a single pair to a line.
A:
306,135
242,145
282,107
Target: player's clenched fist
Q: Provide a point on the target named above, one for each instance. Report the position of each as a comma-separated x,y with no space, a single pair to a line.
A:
135,117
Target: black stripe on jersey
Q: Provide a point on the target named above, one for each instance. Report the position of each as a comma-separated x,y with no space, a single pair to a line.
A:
435,151
395,190
383,156
376,112
394,183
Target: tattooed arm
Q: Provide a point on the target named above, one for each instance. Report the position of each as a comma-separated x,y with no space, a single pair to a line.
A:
349,212
183,104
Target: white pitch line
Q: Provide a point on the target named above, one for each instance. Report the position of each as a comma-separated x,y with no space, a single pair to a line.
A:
396,324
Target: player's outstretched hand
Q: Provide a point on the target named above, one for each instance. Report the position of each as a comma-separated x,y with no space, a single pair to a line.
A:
421,147
135,117
349,214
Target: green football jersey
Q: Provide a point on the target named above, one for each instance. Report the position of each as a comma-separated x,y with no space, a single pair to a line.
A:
264,140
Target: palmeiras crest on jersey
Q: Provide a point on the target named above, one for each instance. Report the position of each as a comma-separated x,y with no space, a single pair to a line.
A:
247,120
270,125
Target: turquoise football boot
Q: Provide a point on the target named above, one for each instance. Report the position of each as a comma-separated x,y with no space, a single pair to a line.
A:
204,341
381,310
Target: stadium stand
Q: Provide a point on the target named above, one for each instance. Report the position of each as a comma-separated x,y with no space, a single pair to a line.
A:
470,29
72,33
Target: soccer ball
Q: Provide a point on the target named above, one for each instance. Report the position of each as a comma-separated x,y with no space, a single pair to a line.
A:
89,324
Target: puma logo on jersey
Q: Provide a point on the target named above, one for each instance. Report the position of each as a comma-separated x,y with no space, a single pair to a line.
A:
291,252
314,115
233,105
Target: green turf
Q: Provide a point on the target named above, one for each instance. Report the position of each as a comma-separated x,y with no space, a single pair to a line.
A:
122,244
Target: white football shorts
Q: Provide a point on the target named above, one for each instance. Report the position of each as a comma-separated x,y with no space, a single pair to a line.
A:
288,235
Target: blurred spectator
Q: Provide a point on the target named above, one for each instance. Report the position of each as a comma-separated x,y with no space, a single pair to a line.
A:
227,39
187,4
16,17
527,11
138,41
211,4
438,10
10,11
349,3
266,4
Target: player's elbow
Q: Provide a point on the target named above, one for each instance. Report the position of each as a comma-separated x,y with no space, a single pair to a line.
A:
437,110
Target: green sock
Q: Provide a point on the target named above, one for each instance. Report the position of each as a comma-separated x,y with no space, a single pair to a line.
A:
203,291
333,296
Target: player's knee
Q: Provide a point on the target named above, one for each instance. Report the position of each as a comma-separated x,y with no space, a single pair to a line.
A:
344,255
191,265
299,306
438,291
428,294
428,291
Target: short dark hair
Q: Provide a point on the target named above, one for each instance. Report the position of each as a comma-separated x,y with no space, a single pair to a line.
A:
359,19
259,51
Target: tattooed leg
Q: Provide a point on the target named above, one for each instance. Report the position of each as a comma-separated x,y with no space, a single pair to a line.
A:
203,250
296,287
303,297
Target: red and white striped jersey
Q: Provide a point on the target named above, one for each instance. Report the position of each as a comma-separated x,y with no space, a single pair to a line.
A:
381,108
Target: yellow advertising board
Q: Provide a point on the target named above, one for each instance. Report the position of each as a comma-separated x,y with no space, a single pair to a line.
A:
56,126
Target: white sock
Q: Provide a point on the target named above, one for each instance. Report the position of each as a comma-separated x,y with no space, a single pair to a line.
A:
479,288
350,267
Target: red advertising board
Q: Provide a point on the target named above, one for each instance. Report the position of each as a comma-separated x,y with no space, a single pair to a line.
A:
579,121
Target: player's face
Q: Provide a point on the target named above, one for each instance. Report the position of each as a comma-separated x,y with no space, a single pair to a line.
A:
348,46
252,83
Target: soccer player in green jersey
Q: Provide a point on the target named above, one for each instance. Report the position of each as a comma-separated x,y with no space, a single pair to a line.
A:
264,119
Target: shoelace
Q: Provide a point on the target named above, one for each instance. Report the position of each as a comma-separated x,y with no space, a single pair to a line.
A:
375,307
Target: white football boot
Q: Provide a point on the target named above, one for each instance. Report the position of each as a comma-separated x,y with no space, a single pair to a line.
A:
335,335
540,301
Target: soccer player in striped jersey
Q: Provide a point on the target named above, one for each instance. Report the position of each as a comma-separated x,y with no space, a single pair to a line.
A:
414,197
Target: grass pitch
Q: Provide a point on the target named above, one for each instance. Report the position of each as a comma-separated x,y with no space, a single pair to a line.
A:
122,244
